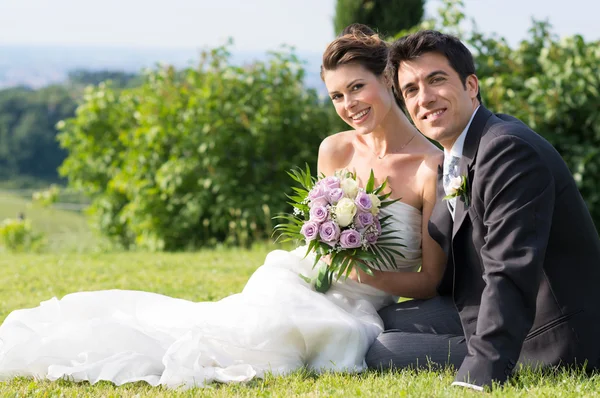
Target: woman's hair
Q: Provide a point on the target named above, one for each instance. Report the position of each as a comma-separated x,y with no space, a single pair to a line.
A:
357,44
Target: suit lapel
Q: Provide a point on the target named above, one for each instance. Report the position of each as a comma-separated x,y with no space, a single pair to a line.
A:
467,163
440,225
460,212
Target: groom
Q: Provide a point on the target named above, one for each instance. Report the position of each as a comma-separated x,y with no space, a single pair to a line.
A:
523,253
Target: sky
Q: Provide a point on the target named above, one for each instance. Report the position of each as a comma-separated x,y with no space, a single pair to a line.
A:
254,25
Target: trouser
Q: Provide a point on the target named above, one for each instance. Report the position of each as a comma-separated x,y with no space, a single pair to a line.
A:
419,334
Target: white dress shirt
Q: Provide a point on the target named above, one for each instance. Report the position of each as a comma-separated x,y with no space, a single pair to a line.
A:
457,150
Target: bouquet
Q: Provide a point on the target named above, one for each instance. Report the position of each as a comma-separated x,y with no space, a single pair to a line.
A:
339,219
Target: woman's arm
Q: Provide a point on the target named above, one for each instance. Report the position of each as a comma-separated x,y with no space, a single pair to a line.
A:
421,284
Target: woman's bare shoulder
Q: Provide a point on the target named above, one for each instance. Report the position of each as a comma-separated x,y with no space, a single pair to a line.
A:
336,151
432,158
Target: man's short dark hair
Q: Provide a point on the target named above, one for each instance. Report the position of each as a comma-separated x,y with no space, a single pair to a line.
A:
414,45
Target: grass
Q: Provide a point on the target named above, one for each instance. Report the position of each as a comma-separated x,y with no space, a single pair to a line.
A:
306,384
63,230
28,279
209,275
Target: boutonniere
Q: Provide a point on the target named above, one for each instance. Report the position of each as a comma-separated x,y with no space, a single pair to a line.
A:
459,188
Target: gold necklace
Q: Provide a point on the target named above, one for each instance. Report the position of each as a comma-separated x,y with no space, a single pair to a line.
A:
399,149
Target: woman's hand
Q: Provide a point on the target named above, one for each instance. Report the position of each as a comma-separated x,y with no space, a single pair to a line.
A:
362,277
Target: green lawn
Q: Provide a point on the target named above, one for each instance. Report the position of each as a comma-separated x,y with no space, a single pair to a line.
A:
27,279
63,230
73,263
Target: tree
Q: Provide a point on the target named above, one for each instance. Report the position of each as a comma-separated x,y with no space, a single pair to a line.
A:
386,17
28,145
195,156
118,78
29,151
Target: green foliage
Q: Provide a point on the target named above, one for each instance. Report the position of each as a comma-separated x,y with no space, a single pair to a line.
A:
47,197
63,231
18,235
117,78
29,151
384,16
28,144
195,156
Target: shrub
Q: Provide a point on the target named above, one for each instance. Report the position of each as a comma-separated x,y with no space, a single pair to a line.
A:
18,235
46,198
196,156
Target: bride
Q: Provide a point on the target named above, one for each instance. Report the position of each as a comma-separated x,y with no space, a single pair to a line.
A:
278,323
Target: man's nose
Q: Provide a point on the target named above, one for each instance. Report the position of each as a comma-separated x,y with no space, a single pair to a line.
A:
426,96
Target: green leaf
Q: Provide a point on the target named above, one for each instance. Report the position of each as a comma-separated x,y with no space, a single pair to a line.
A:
389,202
380,188
370,182
323,280
383,219
345,267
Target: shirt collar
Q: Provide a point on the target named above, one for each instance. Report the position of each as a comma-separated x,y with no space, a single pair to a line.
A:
457,148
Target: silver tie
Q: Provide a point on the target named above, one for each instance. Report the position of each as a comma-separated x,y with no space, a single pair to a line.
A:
451,171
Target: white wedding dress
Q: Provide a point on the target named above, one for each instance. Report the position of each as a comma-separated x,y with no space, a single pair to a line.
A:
277,324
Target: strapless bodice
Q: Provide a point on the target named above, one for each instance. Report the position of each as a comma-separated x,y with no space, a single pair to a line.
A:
406,221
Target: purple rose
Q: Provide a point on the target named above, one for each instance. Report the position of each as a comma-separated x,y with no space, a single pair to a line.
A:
363,202
316,191
317,196
319,214
329,232
371,237
378,226
363,220
319,202
350,239
310,230
335,195
330,183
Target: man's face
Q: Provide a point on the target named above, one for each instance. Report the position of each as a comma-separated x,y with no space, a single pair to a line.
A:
436,99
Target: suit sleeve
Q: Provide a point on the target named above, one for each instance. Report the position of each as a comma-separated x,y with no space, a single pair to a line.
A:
516,188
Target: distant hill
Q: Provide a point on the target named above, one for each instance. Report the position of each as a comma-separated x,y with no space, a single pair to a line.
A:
38,66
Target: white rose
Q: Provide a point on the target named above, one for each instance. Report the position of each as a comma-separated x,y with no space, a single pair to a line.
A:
349,187
376,204
453,185
345,210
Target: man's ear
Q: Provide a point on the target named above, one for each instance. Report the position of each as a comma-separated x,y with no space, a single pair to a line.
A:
472,85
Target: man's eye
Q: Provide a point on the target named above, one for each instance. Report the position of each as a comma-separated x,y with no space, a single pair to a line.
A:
437,79
409,91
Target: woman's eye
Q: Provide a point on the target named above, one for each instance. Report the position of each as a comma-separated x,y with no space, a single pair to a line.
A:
357,86
335,96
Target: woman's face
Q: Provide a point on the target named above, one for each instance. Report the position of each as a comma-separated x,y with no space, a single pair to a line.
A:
360,98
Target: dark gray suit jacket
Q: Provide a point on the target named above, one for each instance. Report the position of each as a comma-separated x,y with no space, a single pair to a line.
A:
523,256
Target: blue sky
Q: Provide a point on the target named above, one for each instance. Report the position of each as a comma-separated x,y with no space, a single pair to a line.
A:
255,25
